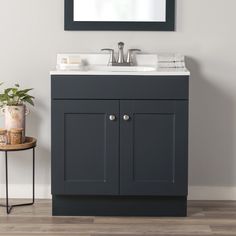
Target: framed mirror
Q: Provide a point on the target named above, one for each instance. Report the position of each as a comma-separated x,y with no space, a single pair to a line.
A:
138,15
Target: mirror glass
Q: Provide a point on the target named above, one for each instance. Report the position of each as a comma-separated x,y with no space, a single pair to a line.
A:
120,10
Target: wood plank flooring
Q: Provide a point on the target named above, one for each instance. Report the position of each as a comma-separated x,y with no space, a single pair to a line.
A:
204,218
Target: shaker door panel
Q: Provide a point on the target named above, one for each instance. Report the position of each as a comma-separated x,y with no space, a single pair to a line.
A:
153,144
85,147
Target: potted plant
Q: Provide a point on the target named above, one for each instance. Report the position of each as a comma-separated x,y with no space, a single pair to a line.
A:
13,105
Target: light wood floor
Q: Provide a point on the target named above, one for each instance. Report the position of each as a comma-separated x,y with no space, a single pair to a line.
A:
204,218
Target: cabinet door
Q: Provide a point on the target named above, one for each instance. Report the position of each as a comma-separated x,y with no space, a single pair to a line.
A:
85,147
154,148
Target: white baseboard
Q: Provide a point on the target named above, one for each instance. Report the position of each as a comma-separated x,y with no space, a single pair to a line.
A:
25,191
212,193
195,192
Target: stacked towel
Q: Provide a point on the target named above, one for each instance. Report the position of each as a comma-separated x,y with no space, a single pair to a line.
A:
171,61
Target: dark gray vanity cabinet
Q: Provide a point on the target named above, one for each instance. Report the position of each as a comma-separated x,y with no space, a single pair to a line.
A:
119,149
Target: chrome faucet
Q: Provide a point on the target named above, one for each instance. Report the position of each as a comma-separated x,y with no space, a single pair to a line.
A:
121,58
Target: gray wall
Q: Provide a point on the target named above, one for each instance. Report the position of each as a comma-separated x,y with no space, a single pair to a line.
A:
31,34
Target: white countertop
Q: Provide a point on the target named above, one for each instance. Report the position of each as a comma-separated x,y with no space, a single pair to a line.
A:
96,64
158,72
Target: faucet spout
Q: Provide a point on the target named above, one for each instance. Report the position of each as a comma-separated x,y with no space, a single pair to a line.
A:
121,58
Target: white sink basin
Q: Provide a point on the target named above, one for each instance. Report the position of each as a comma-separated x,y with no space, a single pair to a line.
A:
122,68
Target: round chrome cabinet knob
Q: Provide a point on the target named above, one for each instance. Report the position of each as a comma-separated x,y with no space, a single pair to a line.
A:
112,117
126,117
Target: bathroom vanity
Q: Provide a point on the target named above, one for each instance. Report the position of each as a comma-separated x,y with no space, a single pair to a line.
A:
120,141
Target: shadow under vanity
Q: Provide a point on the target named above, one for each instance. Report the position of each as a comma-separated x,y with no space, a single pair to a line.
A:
120,142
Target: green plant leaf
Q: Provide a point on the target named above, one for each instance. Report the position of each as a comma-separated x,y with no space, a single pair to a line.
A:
25,90
6,91
14,96
29,100
14,90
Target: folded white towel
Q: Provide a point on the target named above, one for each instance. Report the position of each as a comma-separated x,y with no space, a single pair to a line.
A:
171,65
171,58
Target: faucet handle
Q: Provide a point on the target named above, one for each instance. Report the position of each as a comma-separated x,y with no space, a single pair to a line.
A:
112,55
129,55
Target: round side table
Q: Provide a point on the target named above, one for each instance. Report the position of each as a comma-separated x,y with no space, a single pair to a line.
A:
30,143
